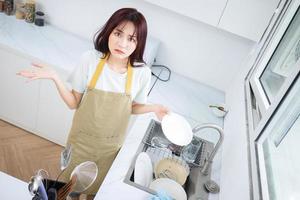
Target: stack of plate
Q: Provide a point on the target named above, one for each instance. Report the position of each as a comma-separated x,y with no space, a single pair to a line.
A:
143,170
172,188
174,168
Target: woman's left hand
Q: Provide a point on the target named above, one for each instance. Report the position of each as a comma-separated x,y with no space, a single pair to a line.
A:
160,111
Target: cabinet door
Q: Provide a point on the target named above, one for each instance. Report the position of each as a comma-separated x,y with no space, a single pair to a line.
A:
54,117
19,100
247,18
207,11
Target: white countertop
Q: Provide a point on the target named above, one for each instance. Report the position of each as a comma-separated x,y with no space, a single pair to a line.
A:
12,188
47,43
184,96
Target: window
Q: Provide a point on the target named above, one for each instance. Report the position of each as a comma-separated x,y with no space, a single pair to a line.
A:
273,109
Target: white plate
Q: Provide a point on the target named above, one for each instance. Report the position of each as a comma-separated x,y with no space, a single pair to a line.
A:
177,129
172,188
143,170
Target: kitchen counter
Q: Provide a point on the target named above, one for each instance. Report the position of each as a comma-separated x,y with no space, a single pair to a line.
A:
184,96
13,188
47,44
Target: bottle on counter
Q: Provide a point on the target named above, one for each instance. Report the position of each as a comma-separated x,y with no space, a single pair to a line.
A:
20,10
8,6
29,11
39,18
1,5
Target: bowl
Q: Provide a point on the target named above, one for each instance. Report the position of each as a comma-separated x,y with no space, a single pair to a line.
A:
219,110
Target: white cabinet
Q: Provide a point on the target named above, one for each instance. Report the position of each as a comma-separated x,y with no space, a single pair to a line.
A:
246,18
35,106
54,118
207,11
19,100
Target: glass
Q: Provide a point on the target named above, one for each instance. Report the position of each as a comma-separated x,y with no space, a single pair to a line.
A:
280,149
189,152
8,6
20,10
1,6
159,142
29,11
283,60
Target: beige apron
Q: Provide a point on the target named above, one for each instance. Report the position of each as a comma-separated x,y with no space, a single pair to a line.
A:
99,127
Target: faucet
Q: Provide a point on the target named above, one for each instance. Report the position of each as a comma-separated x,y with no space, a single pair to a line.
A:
208,161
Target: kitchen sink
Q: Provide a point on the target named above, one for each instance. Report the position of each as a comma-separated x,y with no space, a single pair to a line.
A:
194,185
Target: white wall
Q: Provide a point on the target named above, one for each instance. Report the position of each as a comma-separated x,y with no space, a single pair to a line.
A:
189,47
235,170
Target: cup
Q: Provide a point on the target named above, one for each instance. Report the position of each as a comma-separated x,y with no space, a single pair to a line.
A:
189,152
159,142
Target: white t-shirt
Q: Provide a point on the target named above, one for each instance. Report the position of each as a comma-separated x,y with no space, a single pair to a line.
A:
110,80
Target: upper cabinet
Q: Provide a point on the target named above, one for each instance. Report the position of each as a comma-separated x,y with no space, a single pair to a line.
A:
207,11
248,19
245,18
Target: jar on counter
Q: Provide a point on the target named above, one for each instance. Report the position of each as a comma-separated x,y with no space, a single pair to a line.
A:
8,6
1,6
39,18
29,11
20,10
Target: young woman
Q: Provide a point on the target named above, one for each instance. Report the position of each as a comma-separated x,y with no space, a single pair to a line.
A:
110,83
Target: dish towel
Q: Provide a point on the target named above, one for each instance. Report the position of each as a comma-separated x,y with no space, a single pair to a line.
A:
161,195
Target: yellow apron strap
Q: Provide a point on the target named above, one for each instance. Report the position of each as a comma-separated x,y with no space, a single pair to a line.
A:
97,73
129,79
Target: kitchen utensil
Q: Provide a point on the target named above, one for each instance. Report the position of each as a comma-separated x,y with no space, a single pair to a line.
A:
143,170
156,154
52,194
174,189
86,174
36,181
219,109
173,168
176,129
159,142
65,158
189,152
66,189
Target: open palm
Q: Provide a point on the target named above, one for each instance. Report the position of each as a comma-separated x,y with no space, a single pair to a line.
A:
37,72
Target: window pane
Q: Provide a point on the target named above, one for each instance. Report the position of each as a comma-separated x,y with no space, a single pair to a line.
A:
283,61
281,149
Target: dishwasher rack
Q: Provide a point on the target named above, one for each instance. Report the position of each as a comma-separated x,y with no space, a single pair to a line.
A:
171,150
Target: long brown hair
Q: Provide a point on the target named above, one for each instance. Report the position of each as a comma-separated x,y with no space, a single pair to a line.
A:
120,16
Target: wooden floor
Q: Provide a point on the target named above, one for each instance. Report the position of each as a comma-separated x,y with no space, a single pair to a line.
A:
22,153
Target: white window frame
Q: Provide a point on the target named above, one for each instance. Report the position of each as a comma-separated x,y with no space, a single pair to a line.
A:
278,25
282,17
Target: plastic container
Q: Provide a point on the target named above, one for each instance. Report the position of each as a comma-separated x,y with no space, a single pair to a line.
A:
39,18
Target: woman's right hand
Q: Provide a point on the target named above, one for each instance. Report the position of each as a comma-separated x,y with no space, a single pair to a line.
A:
38,72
